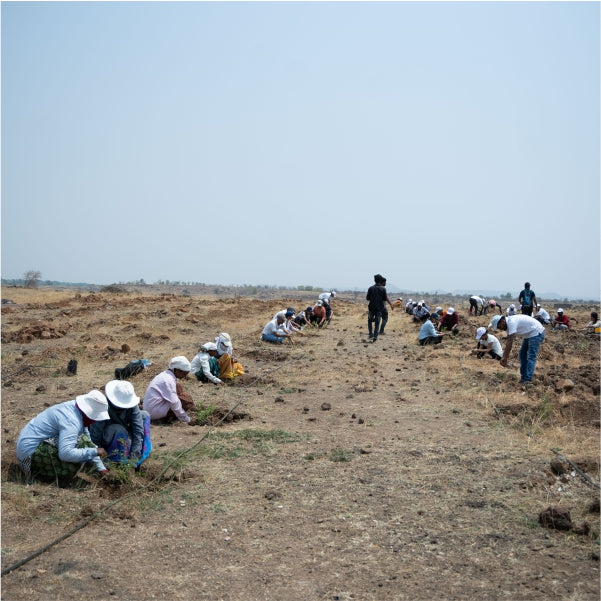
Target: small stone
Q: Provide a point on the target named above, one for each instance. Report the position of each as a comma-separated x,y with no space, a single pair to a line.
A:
558,467
556,517
326,406
564,385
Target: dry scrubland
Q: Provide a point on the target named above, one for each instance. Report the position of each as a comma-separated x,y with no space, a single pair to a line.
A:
347,470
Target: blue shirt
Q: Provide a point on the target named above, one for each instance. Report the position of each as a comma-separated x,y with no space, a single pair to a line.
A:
427,330
65,421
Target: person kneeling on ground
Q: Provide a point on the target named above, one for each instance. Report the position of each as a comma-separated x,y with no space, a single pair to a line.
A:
54,444
428,333
450,321
303,318
326,298
126,434
420,313
229,367
274,331
542,316
165,399
593,327
205,366
561,321
487,344
318,315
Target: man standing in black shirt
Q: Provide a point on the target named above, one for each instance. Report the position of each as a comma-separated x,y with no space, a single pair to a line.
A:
377,315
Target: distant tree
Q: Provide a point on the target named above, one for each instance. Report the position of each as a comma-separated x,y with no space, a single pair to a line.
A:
32,278
506,296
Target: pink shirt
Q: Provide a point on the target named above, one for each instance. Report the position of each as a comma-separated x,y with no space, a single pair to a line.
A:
161,396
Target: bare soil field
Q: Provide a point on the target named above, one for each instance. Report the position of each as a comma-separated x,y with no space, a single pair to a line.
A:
334,469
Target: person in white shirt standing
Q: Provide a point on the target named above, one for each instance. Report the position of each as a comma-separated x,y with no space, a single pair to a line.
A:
532,333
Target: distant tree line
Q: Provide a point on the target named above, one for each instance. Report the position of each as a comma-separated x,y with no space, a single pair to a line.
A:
32,279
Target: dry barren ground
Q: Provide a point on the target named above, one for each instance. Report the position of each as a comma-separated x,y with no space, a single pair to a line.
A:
347,470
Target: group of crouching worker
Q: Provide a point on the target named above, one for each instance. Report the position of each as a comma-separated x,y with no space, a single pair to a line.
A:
286,323
106,428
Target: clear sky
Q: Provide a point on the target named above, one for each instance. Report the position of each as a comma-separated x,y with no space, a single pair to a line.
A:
448,146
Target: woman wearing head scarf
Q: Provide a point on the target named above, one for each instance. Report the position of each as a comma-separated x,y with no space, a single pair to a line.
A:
205,366
229,367
165,398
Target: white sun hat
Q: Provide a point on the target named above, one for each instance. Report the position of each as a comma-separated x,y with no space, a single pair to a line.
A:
94,405
121,393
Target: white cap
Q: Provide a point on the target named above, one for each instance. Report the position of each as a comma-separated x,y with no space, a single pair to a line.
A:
450,311
180,362
209,346
480,332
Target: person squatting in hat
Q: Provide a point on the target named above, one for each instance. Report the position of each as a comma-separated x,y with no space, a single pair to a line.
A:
318,315
54,444
326,298
205,365
487,344
165,399
126,434
561,321
229,367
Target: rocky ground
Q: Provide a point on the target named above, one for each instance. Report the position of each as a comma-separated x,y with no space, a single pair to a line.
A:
342,469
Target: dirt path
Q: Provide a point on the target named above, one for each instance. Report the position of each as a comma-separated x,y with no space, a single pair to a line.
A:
406,485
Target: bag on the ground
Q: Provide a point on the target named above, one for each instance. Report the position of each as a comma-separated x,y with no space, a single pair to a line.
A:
131,369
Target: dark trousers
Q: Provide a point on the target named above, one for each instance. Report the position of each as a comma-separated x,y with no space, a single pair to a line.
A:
384,320
374,319
527,310
431,340
474,305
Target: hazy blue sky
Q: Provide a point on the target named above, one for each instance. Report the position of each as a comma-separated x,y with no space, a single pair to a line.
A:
445,145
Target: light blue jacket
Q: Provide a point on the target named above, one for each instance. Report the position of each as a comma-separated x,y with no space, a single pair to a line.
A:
427,330
65,421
